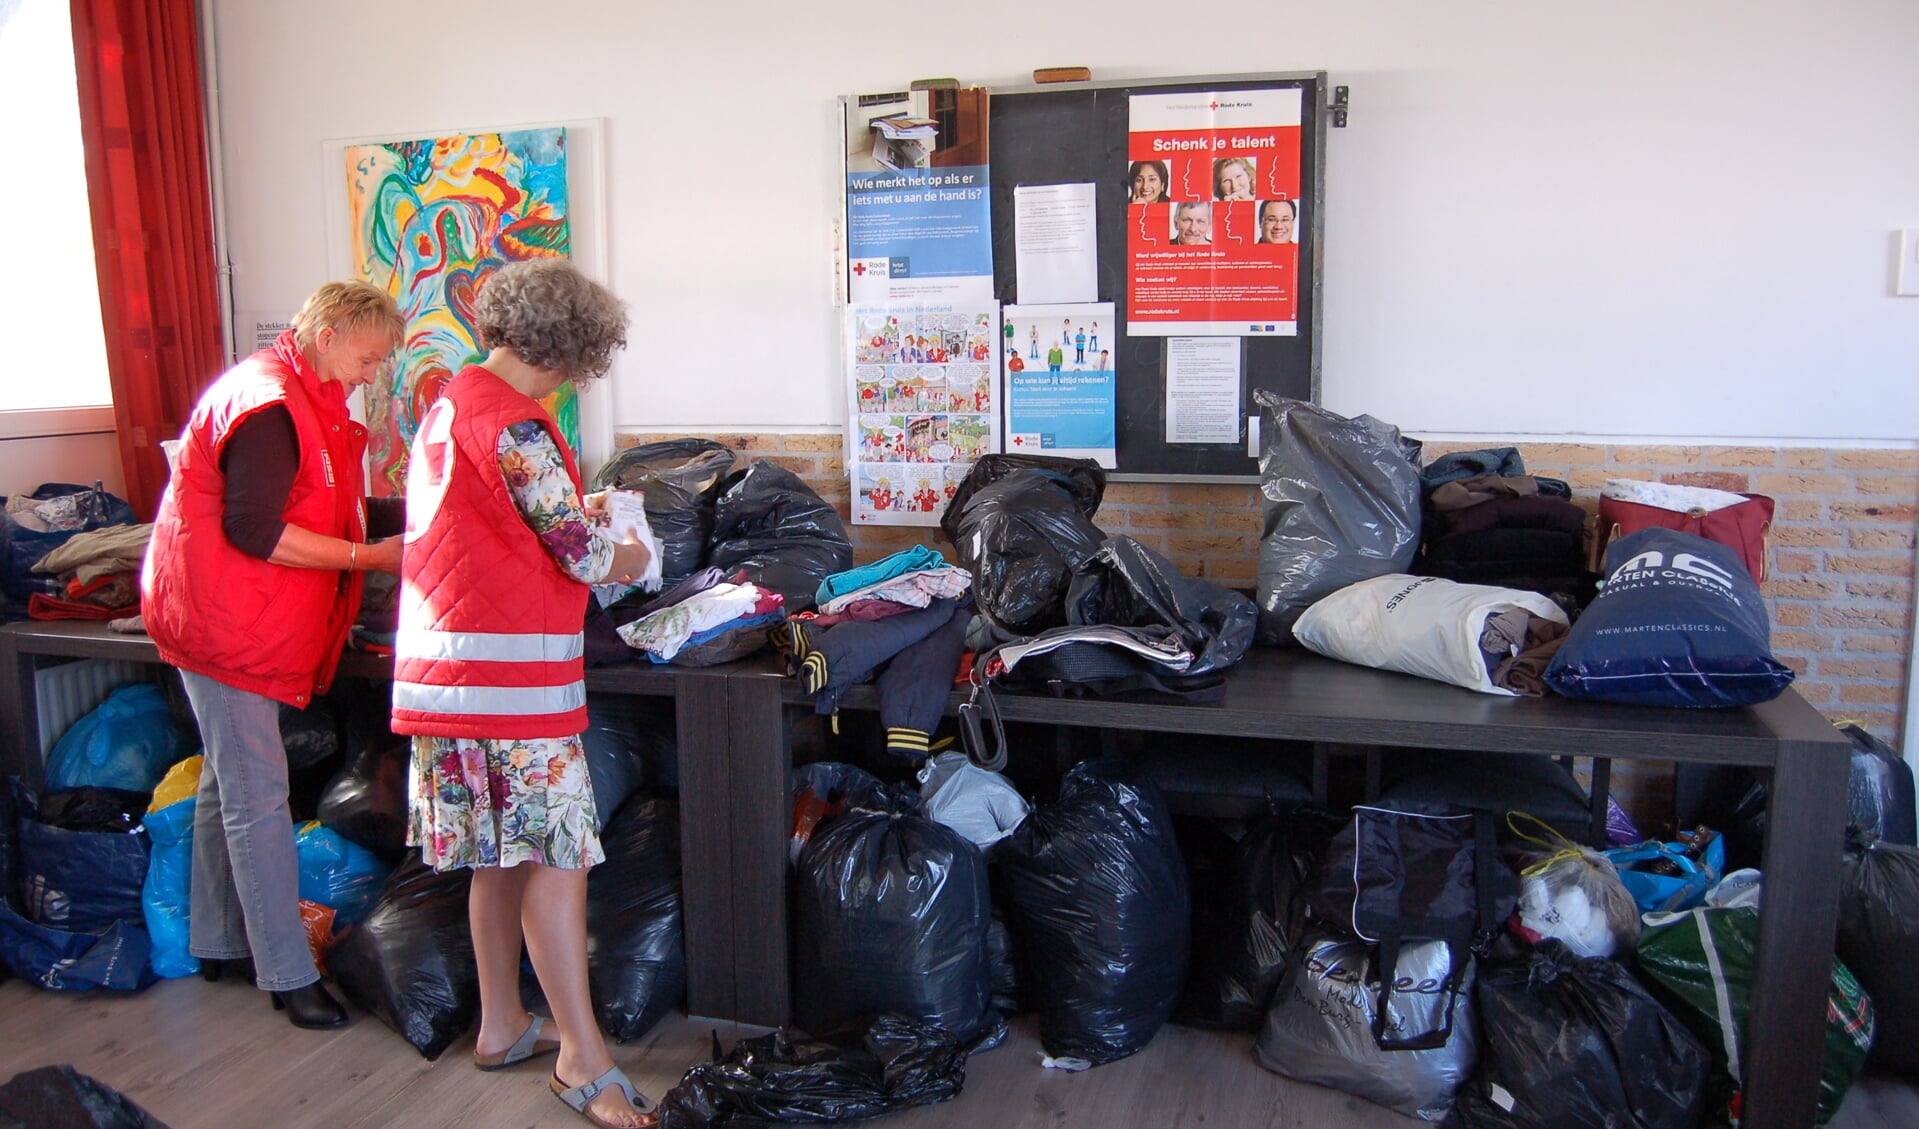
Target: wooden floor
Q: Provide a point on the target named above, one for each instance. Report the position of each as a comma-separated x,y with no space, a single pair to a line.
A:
214,1056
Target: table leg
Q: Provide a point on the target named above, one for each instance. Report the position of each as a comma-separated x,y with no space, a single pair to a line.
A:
706,869
1798,921
762,825
19,720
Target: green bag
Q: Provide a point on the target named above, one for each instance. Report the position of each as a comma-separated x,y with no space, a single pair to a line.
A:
1699,964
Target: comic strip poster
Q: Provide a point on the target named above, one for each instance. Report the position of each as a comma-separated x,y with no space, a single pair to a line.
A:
1213,213
923,404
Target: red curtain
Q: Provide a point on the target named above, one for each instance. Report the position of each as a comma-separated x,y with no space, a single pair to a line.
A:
141,120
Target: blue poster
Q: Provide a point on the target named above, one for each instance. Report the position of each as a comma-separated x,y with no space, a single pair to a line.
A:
918,235
1061,395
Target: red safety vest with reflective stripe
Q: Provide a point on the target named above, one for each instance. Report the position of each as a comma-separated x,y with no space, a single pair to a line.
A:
265,628
490,643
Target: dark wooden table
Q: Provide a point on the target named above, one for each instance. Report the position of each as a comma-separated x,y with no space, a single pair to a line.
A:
735,760
1292,695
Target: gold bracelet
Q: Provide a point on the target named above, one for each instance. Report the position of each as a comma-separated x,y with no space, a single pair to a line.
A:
352,556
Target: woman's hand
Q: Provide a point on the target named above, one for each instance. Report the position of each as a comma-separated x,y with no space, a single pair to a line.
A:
594,506
630,559
381,556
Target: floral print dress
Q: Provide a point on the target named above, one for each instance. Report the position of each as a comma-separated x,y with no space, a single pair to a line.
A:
485,803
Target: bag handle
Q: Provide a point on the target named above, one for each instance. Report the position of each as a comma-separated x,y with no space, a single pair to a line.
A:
1460,951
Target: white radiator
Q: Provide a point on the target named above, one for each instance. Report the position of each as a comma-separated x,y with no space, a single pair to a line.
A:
66,693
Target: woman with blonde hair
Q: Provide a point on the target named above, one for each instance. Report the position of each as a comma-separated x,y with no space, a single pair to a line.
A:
250,585
489,670
1233,179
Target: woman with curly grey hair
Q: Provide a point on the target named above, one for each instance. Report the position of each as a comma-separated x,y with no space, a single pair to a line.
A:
489,670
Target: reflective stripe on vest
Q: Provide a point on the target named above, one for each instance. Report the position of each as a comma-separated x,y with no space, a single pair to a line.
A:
483,646
489,701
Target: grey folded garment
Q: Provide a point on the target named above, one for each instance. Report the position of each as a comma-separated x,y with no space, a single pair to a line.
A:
1518,646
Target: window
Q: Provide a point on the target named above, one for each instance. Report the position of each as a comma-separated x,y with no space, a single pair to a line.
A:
49,298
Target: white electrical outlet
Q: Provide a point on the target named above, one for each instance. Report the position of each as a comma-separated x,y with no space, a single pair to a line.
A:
1907,281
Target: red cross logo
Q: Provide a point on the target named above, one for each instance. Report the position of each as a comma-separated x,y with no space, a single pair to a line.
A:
859,268
1019,441
1213,106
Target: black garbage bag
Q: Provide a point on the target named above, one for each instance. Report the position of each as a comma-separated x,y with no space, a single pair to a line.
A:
1569,1041
1734,800
635,944
1099,895
1022,524
410,962
895,1063
1249,914
60,1097
680,478
1003,959
773,527
311,735
825,790
366,800
1879,800
1879,942
891,915
81,872
1129,585
1341,499
612,741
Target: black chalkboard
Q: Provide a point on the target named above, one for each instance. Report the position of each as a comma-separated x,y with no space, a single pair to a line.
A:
1077,133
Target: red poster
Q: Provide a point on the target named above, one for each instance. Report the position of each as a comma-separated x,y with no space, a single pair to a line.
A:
1214,218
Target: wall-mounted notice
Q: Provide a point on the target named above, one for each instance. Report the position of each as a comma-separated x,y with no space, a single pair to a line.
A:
1056,246
1213,219
922,404
1060,387
919,235
1202,389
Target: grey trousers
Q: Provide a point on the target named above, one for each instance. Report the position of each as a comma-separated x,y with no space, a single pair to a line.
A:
246,878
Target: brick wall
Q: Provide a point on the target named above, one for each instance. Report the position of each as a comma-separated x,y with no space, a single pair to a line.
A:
1840,589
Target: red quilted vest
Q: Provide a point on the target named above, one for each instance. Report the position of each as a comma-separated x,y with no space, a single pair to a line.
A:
490,643
213,610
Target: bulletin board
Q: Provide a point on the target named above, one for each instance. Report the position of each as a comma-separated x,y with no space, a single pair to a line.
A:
1078,133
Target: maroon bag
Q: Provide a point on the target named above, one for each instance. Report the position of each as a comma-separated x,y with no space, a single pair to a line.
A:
1742,527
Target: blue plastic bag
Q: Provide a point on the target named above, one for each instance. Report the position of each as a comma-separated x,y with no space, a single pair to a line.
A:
1665,893
128,742
345,877
78,880
114,958
164,898
1679,622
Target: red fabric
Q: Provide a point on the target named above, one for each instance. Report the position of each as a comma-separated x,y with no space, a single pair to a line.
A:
42,606
217,611
1742,527
138,66
474,567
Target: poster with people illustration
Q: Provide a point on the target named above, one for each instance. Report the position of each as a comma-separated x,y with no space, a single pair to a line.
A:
923,404
1213,190
1061,391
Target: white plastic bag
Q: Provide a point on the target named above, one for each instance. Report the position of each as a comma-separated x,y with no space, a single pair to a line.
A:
978,804
1416,625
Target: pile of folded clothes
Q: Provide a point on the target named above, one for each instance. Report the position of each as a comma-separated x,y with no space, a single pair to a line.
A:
1489,522
711,617
97,575
903,617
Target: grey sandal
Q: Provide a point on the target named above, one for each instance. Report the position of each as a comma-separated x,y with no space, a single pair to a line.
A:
530,1044
577,1098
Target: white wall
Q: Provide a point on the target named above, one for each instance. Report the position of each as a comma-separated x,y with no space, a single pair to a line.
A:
1642,218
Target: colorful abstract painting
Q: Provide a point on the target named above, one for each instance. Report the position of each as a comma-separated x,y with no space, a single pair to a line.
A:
432,219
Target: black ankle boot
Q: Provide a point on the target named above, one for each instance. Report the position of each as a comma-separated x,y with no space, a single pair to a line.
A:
311,1006
241,968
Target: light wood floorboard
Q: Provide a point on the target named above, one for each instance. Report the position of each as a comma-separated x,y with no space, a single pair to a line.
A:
215,1056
